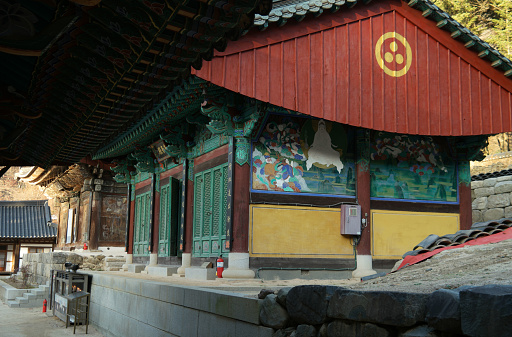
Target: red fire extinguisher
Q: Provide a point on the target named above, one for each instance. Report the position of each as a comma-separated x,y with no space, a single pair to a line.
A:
220,266
85,245
44,305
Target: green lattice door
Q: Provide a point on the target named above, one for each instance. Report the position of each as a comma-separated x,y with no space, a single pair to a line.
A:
169,211
141,224
210,205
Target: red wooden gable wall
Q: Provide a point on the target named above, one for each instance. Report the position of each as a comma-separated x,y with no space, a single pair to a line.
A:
328,67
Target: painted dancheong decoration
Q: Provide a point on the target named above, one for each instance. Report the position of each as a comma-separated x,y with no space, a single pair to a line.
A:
303,156
411,167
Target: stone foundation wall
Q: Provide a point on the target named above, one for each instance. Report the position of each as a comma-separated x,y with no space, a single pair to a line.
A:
491,199
41,264
329,311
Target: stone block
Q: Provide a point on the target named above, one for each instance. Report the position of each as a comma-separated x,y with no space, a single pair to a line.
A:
477,216
136,268
159,314
119,283
420,331
504,178
477,184
281,296
151,290
490,182
58,258
484,192
345,329
503,187
486,310
184,321
304,330
380,307
172,294
508,212
215,326
196,273
272,314
443,311
308,304
494,214
162,270
498,200
479,203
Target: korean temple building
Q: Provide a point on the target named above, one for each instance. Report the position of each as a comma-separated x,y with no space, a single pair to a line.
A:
256,130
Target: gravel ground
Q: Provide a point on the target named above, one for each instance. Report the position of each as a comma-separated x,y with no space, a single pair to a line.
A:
469,265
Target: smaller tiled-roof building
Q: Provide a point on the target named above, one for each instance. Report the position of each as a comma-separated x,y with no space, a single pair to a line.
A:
25,227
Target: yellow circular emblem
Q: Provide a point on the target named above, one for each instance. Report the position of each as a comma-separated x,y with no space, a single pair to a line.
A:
396,62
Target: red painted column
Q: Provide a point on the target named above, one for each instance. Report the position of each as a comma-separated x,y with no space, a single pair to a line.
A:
363,189
241,197
364,251
363,197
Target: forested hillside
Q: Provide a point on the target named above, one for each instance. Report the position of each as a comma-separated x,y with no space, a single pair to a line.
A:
11,189
491,20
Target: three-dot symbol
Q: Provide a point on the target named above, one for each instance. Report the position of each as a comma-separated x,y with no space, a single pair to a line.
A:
393,59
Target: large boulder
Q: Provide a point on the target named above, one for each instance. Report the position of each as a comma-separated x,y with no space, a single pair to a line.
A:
345,329
486,311
381,307
304,330
281,296
420,331
272,314
308,304
443,311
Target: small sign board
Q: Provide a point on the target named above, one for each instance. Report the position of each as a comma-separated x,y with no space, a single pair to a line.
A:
61,306
158,149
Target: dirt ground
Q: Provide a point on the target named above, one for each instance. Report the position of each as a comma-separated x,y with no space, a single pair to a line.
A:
470,265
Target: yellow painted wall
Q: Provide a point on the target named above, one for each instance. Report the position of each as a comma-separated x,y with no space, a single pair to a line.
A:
394,233
299,232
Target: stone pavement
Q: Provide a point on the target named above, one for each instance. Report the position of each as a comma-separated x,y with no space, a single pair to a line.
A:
32,322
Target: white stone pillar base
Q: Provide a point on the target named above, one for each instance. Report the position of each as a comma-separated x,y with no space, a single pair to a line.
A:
238,267
129,260
364,266
186,259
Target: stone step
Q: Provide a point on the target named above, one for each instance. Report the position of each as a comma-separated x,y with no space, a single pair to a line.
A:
38,292
113,268
115,259
114,264
135,268
162,270
21,300
13,304
30,296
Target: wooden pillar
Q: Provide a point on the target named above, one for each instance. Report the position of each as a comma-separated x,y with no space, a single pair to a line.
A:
95,220
241,193
465,207
128,218
16,255
363,189
132,222
156,217
189,216
363,192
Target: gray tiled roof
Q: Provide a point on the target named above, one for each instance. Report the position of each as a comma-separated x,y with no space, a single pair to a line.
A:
25,219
